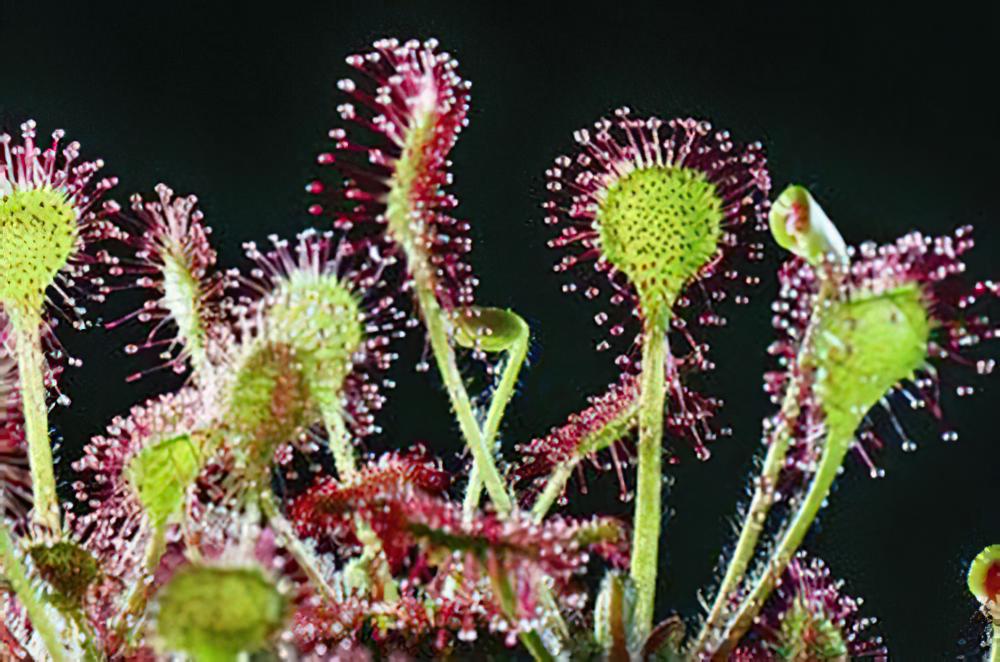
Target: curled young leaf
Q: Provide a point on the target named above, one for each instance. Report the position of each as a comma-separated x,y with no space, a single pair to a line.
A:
801,226
491,330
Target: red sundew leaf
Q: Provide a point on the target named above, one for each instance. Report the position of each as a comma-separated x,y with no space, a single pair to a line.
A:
403,86
808,589
171,258
611,418
327,508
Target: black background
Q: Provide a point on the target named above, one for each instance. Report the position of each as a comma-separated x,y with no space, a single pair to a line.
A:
887,116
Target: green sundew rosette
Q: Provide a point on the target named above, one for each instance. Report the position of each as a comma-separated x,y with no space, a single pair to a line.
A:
864,347
161,474
68,569
38,232
215,613
182,296
320,320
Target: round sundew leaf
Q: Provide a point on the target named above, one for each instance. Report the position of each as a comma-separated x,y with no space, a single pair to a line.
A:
38,231
808,633
67,568
269,401
490,329
320,319
161,475
864,346
214,613
660,226
801,226
984,575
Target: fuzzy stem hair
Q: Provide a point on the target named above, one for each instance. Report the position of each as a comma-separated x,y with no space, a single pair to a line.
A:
765,487
837,444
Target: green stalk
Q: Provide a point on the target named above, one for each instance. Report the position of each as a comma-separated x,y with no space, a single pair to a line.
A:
646,537
444,355
339,440
554,486
343,456
138,595
290,541
91,653
31,370
834,451
19,582
995,648
516,355
765,488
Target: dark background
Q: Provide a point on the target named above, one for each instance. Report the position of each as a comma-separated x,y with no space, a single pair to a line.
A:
888,117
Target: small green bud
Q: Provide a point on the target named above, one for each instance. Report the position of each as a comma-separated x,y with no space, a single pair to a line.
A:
864,346
660,226
801,226
68,569
161,474
38,232
215,613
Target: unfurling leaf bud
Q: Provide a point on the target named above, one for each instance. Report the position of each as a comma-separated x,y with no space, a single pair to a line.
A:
801,226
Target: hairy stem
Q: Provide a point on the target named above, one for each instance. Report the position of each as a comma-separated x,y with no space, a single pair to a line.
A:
516,355
303,556
995,648
765,488
19,582
138,594
533,642
31,370
444,355
91,653
837,445
339,440
554,486
646,537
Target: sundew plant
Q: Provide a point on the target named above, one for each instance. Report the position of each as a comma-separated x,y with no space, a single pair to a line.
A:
241,516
